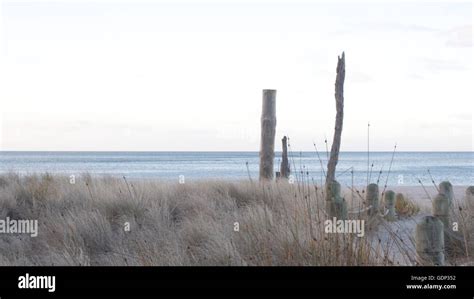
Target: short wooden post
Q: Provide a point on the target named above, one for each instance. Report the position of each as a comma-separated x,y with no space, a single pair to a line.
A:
336,206
372,198
446,189
389,201
285,166
429,241
441,209
470,197
267,140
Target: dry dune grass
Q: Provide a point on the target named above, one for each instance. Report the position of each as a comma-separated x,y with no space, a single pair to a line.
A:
179,224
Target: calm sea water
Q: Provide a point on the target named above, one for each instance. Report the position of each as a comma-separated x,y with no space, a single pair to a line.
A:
457,167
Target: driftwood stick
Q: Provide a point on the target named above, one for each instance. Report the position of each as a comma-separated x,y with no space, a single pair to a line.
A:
336,143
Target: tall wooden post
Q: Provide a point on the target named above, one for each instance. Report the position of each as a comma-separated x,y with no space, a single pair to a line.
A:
267,140
285,166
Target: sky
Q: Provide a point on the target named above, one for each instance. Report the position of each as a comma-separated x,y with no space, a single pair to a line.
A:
188,75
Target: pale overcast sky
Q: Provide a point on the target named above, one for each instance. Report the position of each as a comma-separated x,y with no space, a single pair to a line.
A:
168,75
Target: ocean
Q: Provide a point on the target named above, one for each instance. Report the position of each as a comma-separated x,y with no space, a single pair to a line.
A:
406,168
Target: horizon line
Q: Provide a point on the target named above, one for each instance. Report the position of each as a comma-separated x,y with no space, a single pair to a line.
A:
223,151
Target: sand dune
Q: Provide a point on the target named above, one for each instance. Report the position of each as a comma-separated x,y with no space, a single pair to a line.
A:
110,221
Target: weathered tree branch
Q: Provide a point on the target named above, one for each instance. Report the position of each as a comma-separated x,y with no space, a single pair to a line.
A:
336,143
